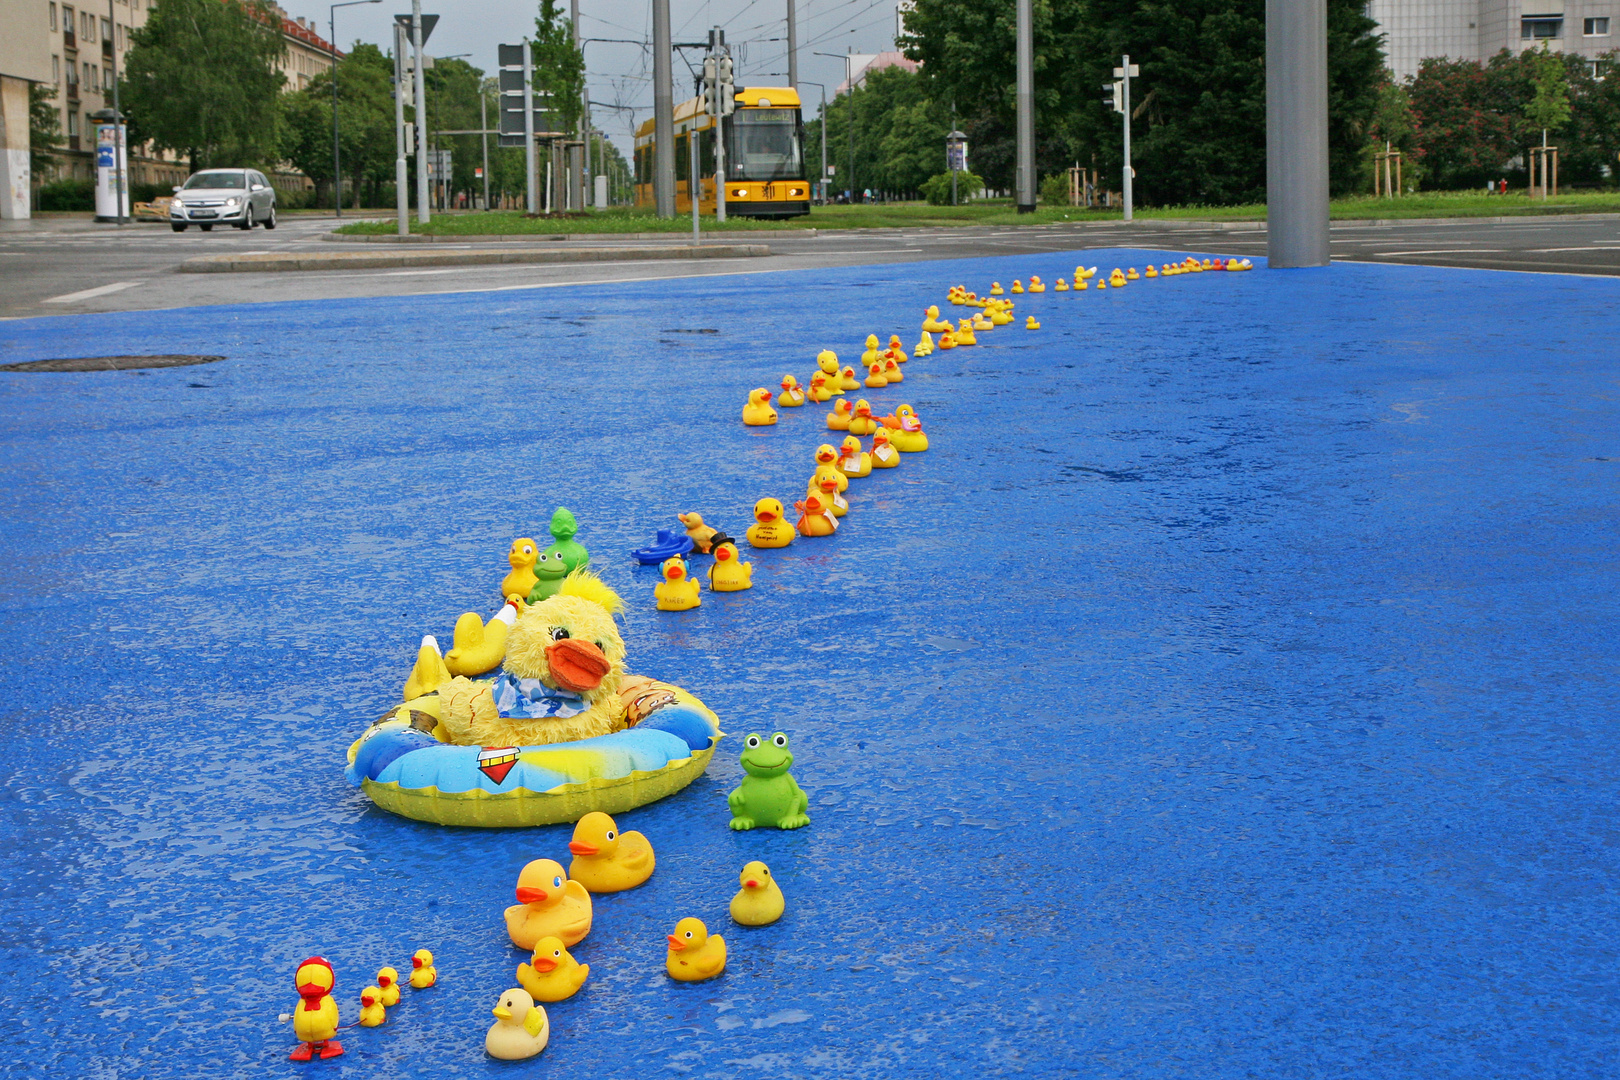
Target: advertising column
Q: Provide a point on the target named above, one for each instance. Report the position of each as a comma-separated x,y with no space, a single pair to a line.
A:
112,166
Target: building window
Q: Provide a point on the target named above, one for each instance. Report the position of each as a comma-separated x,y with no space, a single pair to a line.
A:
106,30
1591,28
53,23
106,80
56,69
1541,27
73,121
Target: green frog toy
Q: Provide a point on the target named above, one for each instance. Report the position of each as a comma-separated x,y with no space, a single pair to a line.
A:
768,795
560,559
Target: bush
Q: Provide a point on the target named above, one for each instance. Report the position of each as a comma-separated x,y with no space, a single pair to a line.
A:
1055,189
294,198
68,195
937,189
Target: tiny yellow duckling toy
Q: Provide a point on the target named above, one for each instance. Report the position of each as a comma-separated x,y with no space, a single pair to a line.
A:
932,323
827,361
819,391
814,518
906,433
548,905
896,350
995,289
981,321
863,422
760,901
852,460
964,333
847,380
1150,271
838,419
372,1011
1060,285
824,486
1018,286
1081,284
827,458
606,860
758,411
551,973
924,346
947,340
1116,279
678,591
522,578
1101,285
1132,275
694,953
770,528
875,377
700,534
423,973
792,395
884,455
315,1017
891,371
521,1029
1031,324
869,357
388,983
729,573
1036,284
1001,315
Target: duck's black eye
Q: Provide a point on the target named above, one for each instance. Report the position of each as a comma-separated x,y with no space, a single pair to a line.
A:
559,632
601,647
610,834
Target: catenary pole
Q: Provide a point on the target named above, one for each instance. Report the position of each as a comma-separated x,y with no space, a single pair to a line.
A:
663,113
121,155
1025,179
1296,133
424,212
402,194
793,45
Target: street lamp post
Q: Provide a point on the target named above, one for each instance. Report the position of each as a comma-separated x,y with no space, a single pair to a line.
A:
337,171
849,83
823,137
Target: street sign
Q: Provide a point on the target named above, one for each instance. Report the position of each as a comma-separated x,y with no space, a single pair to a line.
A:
478,172
438,163
428,23
1119,72
511,84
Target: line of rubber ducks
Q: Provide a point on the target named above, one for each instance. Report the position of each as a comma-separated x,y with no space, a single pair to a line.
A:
554,912
315,1019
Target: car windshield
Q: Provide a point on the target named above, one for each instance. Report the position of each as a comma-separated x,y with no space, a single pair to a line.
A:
764,145
216,180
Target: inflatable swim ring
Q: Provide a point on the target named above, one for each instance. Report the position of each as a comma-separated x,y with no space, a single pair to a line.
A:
406,769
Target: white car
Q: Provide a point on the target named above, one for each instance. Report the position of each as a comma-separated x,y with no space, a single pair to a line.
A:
240,197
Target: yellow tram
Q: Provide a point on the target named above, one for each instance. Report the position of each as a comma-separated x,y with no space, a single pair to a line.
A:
764,156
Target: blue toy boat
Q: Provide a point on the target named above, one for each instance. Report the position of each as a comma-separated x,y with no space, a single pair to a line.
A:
667,544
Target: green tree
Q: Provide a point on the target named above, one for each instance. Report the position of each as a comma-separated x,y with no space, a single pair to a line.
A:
559,66
899,134
365,124
1549,108
44,127
201,78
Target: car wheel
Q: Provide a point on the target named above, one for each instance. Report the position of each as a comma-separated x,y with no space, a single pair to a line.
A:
247,219
208,226
180,226
270,222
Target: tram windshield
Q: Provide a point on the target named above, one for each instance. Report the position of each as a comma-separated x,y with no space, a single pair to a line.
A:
763,144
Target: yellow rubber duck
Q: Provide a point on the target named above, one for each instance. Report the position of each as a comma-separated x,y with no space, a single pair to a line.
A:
694,953
758,411
1132,275
551,973
700,534
548,905
875,378
606,860
924,346
521,581
827,361
1086,273
1031,324
826,460
814,518
964,333
1001,316
480,646
521,1029
729,573
372,1012
1150,271
908,436
838,419
770,528
1060,285
760,901
1204,265
1018,286
932,323
1036,284
792,395
947,340
423,973
824,486
896,350
429,672
1116,279
891,371
995,289
852,460
957,296
981,321
863,422
819,391
869,357
1081,284
1101,285
388,983
884,455
315,1017
678,591
848,381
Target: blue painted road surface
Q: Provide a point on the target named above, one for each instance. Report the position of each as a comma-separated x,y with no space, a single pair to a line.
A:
1229,692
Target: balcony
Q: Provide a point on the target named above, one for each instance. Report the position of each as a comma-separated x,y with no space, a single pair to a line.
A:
70,40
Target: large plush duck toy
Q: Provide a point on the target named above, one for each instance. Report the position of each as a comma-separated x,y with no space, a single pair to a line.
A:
560,680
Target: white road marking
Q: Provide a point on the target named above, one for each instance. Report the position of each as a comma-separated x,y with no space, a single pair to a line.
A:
1547,250
91,294
1444,251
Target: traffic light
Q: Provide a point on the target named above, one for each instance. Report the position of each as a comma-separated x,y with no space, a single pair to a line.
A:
707,97
1115,98
728,86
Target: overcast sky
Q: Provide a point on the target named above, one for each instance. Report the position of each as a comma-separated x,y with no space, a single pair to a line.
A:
621,74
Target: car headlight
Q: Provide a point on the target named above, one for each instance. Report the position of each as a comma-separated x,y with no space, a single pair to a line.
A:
232,201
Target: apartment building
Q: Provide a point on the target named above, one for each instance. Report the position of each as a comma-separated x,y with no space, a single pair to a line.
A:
1479,29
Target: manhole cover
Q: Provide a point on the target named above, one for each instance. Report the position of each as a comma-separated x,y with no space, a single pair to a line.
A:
109,363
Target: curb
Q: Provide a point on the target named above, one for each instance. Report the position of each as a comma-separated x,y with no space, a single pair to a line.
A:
270,261
526,238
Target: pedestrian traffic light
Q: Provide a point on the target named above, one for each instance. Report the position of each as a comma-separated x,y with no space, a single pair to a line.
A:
728,87
1115,98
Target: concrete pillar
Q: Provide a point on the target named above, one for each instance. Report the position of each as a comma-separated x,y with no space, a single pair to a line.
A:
14,150
1296,133
1024,175
663,112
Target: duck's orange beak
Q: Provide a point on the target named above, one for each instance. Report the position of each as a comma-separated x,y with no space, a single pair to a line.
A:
526,894
577,665
675,943
581,848
751,883
545,963
765,515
